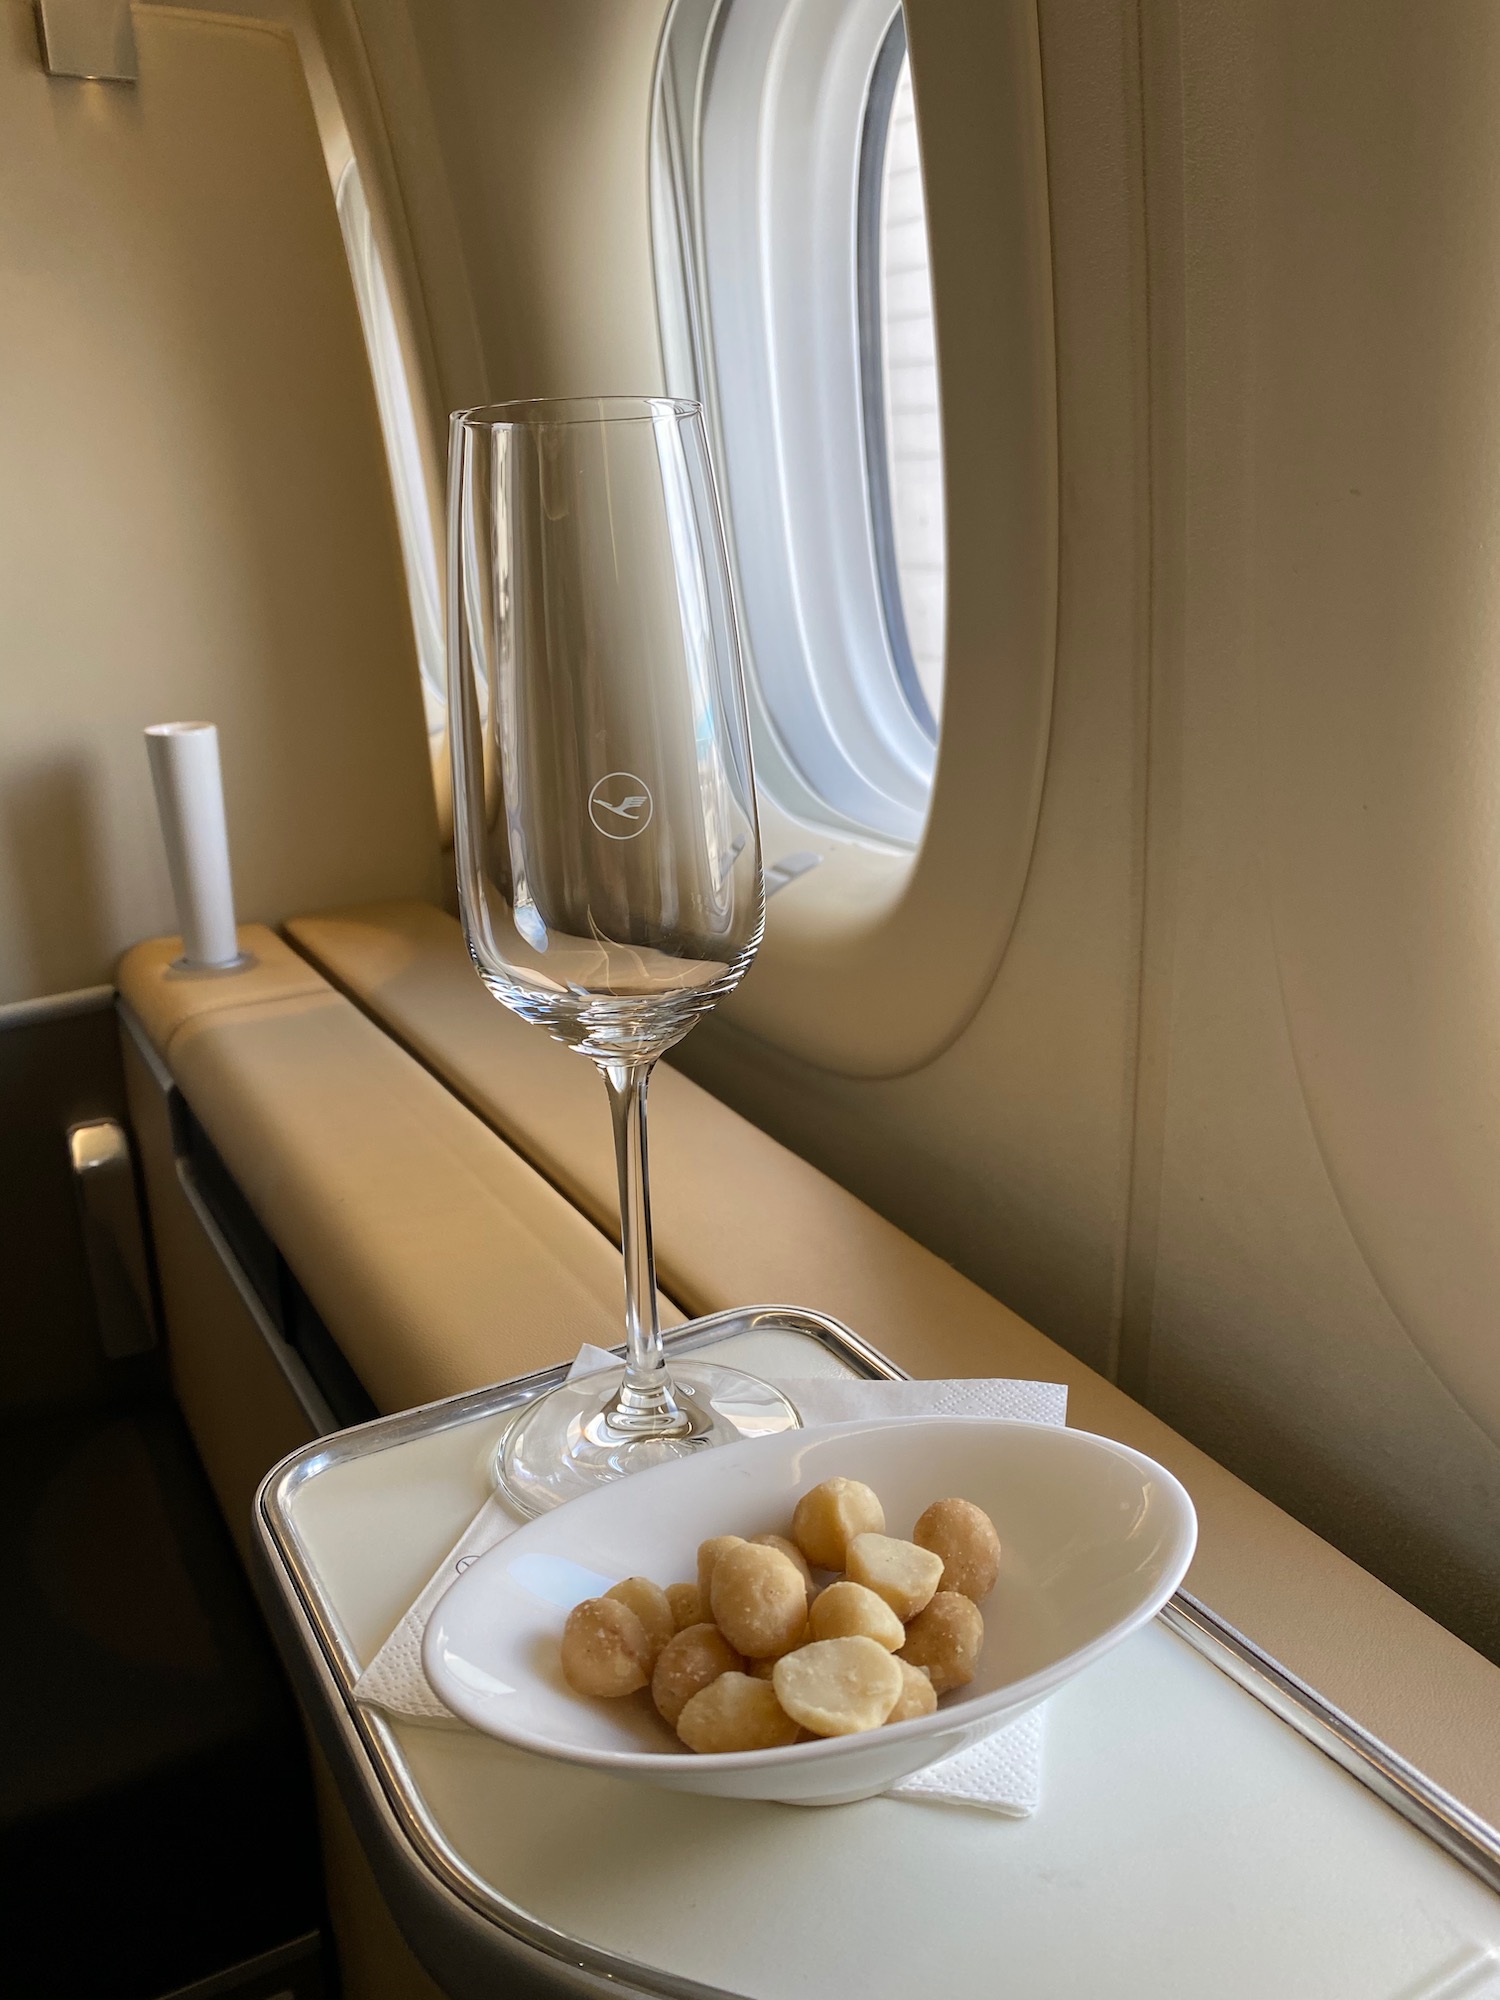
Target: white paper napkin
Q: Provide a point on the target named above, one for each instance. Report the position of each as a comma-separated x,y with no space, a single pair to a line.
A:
1003,1773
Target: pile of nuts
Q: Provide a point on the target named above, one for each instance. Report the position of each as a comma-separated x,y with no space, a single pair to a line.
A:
756,1654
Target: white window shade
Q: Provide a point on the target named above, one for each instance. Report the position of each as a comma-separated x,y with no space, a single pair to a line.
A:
903,421
760,135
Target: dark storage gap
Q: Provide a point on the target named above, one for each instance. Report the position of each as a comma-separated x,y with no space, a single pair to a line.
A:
156,1810
157,1826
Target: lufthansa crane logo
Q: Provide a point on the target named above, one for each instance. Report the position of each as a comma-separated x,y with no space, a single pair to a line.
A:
620,805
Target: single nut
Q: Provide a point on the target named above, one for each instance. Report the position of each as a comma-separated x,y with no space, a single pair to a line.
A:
758,1599
904,1575
964,1536
848,1611
917,1697
793,1555
605,1650
830,1516
708,1554
687,1605
945,1638
735,1712
649,1603
838,1687
692,1660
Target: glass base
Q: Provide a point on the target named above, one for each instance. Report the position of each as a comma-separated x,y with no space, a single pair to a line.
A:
564,1445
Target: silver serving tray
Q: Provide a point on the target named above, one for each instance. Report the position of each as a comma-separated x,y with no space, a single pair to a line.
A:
470,1934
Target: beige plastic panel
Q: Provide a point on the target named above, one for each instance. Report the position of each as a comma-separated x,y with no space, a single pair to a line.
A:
1375,606
740,1219
1227,1120
194,510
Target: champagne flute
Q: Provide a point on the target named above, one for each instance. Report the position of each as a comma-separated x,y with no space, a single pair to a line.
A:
604,830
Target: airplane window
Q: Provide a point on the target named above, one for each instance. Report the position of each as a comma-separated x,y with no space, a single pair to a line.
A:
898,359
398,425
790,243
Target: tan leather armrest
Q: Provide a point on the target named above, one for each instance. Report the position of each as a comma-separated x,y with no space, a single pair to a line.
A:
438,1259
740,1219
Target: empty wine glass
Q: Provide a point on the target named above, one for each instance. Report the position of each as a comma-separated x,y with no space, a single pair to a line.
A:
604,828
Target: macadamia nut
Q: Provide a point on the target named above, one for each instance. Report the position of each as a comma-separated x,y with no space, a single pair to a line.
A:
945,1638
830,1516
754,1655
904,1575
735,1712
693,1660
649,1603
792,1553
838,1687
708,1554
758,1599
605,1650
849,1611
918,1696
964,1536
687,1605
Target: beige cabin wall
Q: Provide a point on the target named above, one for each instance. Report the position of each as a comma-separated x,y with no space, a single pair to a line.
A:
195,521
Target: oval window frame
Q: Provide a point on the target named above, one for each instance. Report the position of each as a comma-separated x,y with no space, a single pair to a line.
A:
877,958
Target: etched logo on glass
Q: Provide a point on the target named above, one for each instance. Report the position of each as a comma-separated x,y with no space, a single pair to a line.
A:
620,805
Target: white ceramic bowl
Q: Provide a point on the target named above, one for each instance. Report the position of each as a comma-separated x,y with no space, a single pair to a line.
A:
1095,1538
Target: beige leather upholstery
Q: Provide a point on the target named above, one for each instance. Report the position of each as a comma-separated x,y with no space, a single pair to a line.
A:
740,1219
436,1256
195,517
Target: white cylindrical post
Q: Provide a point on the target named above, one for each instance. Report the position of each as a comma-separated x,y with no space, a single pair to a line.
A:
190,800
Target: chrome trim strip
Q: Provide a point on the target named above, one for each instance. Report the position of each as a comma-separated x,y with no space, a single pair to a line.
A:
1469,1840
145,1048
114,1242
403,1813
55,1006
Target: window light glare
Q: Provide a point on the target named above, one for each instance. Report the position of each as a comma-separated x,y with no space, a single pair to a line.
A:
909,386
398,425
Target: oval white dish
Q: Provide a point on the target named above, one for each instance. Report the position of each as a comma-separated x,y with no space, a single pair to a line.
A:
1095,1538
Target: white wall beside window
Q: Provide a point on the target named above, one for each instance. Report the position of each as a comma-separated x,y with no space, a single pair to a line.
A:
398,425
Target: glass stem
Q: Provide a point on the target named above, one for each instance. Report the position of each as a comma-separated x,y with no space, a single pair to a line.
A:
644,1405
